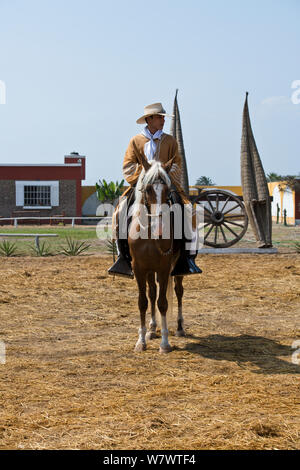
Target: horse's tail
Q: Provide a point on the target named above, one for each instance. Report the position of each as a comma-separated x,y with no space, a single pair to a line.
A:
170,297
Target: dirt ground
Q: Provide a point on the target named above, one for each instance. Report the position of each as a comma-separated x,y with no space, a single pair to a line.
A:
73,381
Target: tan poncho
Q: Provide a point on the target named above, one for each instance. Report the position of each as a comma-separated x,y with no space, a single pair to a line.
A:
166,148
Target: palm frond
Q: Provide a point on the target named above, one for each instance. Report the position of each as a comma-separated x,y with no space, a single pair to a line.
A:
108,191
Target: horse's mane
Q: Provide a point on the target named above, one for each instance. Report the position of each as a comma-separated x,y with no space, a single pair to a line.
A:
155,172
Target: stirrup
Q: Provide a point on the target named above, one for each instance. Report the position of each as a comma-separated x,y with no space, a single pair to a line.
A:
122,268
185,266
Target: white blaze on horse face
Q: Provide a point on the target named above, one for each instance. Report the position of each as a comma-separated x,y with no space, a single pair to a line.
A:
156,210
158,187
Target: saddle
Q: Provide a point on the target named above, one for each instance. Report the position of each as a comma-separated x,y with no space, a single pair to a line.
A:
122,267
174,198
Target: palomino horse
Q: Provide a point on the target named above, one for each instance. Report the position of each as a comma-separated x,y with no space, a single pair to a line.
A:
153,254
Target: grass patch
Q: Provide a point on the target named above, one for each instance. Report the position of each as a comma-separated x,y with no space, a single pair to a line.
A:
78,233
98,235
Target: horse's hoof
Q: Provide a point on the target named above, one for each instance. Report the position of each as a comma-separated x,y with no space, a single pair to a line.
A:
151,335
180,333
140,347
165,349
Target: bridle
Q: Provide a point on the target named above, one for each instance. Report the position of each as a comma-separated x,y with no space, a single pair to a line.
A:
145,199
169,202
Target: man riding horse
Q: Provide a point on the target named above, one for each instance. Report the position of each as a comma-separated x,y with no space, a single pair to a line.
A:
153,144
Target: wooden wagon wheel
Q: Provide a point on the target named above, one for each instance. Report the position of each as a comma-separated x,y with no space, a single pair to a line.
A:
225,218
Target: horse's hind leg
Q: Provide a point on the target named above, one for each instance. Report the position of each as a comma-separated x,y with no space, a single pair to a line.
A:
179,293
152,295
143,304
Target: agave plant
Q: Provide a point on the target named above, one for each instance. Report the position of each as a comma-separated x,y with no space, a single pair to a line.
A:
7,248
111,246
74,247
108,191
42,250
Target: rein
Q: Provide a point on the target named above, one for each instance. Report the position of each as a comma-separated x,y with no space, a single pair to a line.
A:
169,251
165,253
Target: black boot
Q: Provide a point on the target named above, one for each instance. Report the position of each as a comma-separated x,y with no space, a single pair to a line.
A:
122,267
186,262
186,265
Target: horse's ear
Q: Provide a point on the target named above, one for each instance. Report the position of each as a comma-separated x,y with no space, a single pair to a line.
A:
146,164
167,166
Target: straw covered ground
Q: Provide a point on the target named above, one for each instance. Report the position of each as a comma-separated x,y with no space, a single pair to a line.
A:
72,380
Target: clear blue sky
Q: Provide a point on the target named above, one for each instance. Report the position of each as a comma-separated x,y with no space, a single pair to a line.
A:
78,75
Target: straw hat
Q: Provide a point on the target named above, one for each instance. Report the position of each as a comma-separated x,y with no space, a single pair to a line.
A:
150,110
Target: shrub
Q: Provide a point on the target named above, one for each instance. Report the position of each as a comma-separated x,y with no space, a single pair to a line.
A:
74,248
7,248
42,250
111,246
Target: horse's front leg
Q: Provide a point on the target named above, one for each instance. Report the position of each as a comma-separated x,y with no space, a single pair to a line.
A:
179,294
143,304
162,303
152,295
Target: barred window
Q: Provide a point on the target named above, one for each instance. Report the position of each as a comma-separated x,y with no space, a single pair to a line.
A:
37,195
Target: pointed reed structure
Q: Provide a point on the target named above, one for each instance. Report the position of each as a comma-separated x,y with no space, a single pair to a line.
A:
254,184
176,132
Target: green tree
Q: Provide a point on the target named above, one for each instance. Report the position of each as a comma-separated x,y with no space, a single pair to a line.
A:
204,181
108,192
292,181
273,177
